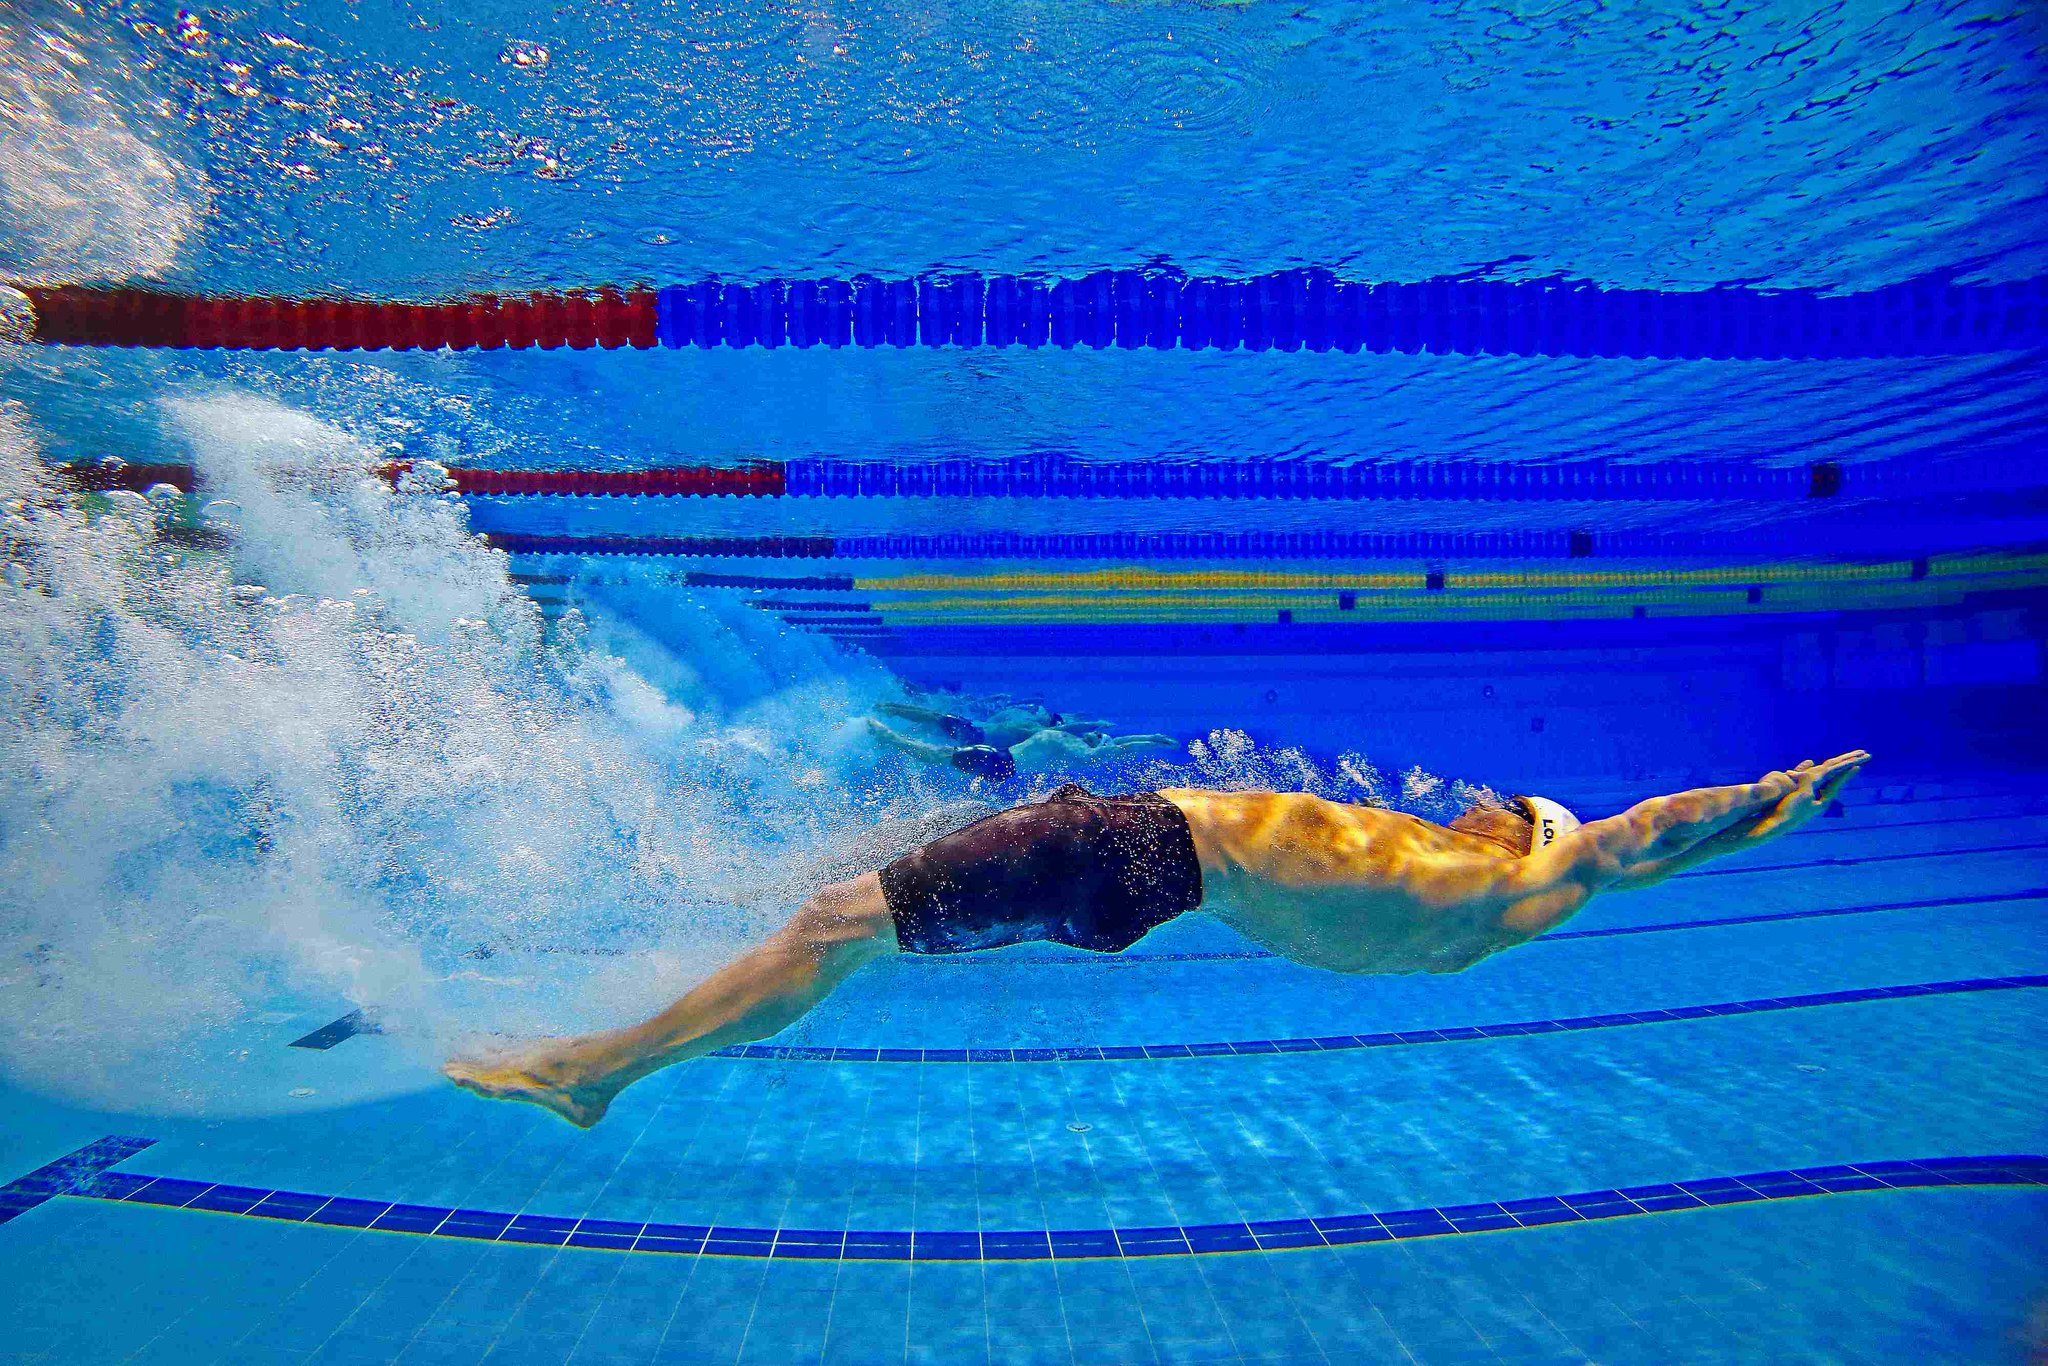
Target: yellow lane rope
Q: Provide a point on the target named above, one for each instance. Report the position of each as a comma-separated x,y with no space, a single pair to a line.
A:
1170,607
1210,580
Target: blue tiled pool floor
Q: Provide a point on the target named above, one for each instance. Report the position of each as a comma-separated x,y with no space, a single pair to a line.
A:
840,1156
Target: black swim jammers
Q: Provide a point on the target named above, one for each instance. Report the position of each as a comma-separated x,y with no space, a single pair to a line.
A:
1092,872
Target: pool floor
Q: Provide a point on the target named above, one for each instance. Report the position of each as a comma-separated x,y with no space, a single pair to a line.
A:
1787,1111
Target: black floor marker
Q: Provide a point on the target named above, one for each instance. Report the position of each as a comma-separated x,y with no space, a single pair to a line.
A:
347,1027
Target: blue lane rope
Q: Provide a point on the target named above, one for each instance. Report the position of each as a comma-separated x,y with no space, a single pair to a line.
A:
1202,545
1054,475
1060,474
1313,310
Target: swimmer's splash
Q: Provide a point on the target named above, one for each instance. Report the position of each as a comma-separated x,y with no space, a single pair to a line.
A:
330,748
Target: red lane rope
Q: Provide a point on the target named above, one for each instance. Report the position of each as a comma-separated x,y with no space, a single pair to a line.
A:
607,318
761,479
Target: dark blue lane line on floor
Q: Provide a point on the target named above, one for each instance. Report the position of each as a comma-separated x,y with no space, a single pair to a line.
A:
1769,917
1403,1038
1247,955
74,1173
2035,845
332,1033
979,1245
355,1022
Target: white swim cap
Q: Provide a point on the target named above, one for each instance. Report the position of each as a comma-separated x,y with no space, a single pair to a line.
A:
1551,820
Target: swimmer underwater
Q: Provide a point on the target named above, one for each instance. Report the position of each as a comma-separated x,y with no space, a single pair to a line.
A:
1352,889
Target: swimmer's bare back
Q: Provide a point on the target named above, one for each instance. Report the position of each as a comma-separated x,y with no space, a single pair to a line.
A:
1365,890
1347,888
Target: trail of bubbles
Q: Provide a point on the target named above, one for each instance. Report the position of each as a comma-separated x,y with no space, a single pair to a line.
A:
82,193
1231,760
359,777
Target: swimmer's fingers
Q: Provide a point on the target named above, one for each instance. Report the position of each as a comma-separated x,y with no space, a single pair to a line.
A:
1816,779
1834,779
1793,807
1836,771
1815,786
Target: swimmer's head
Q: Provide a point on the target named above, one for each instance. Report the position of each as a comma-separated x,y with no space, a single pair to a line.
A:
1549,822
985,761
1509,826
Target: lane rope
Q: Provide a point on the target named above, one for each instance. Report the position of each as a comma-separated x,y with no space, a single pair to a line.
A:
1159,309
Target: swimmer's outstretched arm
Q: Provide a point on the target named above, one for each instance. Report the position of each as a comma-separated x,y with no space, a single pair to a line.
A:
1813,787
756,995
919,749
1654,839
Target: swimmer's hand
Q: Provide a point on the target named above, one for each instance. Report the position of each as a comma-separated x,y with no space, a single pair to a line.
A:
1658,838
1813,787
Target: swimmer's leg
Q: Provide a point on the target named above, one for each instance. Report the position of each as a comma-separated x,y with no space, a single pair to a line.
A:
756,995
910,711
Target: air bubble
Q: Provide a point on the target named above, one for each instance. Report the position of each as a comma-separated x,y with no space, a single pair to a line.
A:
524,55
130,505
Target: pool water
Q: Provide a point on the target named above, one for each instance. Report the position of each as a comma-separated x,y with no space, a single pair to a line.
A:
1928,889
1589,401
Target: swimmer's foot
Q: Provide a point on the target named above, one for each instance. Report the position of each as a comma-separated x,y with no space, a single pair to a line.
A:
543,1075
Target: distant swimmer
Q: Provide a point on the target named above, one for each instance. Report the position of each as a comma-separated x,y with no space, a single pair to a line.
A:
1014,737
1351,889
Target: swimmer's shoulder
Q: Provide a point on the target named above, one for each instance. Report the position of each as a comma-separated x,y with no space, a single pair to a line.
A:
1293,812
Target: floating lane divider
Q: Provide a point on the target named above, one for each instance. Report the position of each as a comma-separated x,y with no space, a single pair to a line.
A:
1298,604
1622,601
1161,309
85,1175
772,479
1174,545
1059,476
1135,580
1141,598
